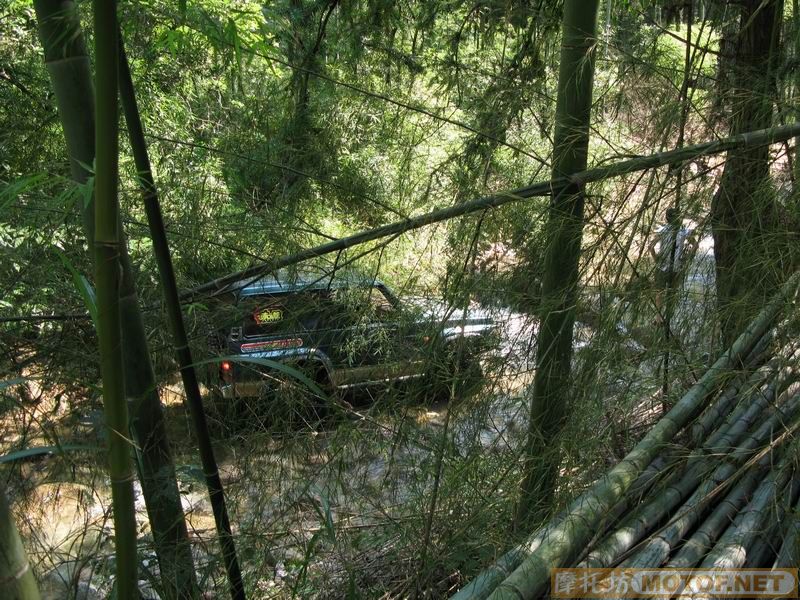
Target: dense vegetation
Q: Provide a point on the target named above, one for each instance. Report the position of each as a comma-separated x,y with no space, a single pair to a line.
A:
278,126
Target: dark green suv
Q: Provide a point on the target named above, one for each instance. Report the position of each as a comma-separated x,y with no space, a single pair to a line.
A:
341,331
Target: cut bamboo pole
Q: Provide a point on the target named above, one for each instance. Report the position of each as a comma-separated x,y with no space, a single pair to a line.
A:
757,407
532,577
180,341
722,516
17,581
107,249
722,407
759,385
782,365
664,469
718,522
664,464
731,551
656,551
767,545
789,555
646,517
704,538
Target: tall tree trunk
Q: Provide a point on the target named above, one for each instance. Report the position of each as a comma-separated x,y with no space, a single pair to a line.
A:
17,581
564,232
68,66
106,261
728,15
744,215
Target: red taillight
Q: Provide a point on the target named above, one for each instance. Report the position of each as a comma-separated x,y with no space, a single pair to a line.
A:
226,371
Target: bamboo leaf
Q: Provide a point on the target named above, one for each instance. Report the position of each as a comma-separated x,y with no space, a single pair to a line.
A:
82,285
13,190
323,510
43,450
87,190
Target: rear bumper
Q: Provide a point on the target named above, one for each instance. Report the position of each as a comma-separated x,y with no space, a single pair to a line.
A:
341,378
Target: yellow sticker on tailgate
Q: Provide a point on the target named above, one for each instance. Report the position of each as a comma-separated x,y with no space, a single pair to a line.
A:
268,315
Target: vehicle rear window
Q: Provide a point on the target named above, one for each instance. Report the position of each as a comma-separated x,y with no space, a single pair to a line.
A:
283,313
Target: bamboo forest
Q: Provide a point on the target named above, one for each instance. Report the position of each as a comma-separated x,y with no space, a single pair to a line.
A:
399,299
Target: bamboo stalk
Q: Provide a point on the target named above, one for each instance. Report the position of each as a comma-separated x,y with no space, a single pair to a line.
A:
654,473
670,464
68,67
764,547
655,552
755,407
731,551
107,269
751,139
702,435
767,545
722,406
564,233
699,463
789,555
796,82
704,538
748,412
532,577
180,341
17,581
750,388
713,527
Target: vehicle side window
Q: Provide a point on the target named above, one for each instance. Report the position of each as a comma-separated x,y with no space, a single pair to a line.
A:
379,303
360,304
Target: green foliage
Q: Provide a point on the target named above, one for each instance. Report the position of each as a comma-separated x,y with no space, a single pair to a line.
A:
276,126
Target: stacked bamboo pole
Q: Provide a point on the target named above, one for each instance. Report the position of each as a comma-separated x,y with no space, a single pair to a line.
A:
657,549
695,477
789,554
733,441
